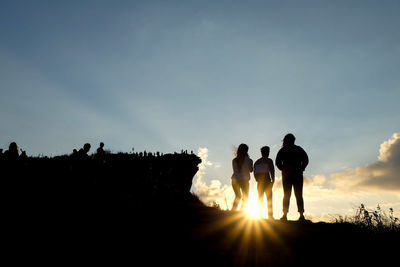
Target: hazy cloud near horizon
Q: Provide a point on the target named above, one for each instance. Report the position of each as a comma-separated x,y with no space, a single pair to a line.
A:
215,192
383,174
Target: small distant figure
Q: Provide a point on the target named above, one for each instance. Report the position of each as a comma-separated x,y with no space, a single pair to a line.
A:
292,161
83,152
23,155
264,173
12,152
100,149
242,167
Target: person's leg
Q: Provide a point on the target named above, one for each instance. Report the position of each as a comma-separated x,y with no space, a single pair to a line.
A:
260,190
261,186
287,191
245,192
268,192
298,192
238,194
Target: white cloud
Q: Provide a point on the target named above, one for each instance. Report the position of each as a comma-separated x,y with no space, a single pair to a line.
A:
383,174
215,191
372,184
203,155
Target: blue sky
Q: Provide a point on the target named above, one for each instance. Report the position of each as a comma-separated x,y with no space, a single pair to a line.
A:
172,75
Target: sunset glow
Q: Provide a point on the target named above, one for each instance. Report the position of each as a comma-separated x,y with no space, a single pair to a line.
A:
252,208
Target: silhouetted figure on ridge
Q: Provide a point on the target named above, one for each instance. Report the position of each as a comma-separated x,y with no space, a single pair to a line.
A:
83,152
12,152
264,173
100,149
23,155
74,154
242,167
292,161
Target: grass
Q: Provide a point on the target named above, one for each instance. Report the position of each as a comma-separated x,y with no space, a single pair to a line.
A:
374,220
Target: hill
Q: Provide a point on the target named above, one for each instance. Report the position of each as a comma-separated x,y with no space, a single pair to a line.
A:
137,210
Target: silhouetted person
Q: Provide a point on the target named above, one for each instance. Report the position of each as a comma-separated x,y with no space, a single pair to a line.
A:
242,167
264,172
23,155
292,161
100,149
83,152
12,152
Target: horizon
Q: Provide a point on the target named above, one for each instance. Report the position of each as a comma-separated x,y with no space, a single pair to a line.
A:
165,76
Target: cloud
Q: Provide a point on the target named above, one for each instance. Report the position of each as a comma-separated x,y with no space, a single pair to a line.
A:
203,155
215,192
383,174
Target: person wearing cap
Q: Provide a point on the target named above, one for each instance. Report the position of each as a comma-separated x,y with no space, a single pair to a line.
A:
292,161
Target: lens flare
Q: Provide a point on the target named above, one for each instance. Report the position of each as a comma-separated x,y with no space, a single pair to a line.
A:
252,209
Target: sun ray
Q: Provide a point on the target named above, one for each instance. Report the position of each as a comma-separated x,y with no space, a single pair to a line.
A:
252,209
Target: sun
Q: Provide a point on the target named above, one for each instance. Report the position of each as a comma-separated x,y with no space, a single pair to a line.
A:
252,208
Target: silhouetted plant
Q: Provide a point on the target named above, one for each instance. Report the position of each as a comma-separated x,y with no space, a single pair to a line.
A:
376,220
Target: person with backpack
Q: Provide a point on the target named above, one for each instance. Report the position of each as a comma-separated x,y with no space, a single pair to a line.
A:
292,161
264,173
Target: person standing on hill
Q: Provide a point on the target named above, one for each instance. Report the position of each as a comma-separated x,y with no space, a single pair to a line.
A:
292,161
100,149
12,153
242,167
264,173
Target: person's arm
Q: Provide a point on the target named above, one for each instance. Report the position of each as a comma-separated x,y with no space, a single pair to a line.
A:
278,160
304,161
272,170
251,165
234,166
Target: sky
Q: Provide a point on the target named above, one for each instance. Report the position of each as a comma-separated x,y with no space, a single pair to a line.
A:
207,76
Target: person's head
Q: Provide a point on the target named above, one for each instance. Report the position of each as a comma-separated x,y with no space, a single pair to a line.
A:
101,144
13,147
288,140
86,147
242,150
265,151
